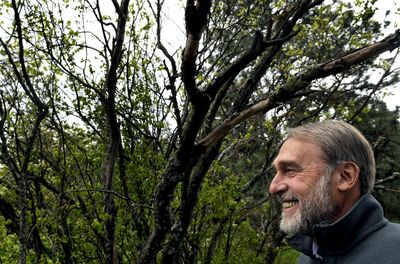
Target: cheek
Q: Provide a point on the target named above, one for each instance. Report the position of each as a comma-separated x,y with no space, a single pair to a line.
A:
302,188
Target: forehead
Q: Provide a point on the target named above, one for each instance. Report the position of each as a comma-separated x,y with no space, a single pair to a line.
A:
300,151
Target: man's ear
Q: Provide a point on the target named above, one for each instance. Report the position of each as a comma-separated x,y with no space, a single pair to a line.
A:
349,174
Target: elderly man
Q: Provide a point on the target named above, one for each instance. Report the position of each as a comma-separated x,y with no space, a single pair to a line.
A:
324,176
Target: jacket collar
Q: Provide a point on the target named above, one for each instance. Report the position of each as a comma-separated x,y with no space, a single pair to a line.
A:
336,238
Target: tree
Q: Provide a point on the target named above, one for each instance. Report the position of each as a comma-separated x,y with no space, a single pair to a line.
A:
381,126
115,148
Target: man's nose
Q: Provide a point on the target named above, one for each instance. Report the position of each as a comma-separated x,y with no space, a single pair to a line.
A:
277,185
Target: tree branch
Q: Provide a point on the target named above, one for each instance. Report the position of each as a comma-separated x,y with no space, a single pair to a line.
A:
301,82
394,176
196,18
258,46
113,140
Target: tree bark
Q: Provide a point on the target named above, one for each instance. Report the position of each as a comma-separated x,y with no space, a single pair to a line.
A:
113,135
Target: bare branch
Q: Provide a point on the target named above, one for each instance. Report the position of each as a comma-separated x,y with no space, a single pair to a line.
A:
394,176
117,7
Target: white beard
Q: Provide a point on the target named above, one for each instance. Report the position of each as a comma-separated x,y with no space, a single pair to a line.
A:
313,208
291,224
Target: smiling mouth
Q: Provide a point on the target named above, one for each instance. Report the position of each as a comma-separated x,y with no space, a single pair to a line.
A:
289,203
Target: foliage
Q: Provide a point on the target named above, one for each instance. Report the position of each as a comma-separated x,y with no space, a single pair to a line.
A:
117,149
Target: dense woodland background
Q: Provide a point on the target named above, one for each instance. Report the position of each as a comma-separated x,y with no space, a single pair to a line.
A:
119,147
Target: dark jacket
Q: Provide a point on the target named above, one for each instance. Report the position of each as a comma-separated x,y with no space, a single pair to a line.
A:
362,236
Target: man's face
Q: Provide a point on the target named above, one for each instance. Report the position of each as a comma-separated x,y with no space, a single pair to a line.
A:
303,184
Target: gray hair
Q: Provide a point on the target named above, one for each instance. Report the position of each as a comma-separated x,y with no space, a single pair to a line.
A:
341,142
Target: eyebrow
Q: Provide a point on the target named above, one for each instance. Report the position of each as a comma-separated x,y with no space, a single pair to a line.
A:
286,163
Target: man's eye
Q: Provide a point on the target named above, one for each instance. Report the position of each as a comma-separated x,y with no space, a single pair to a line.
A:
289,170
